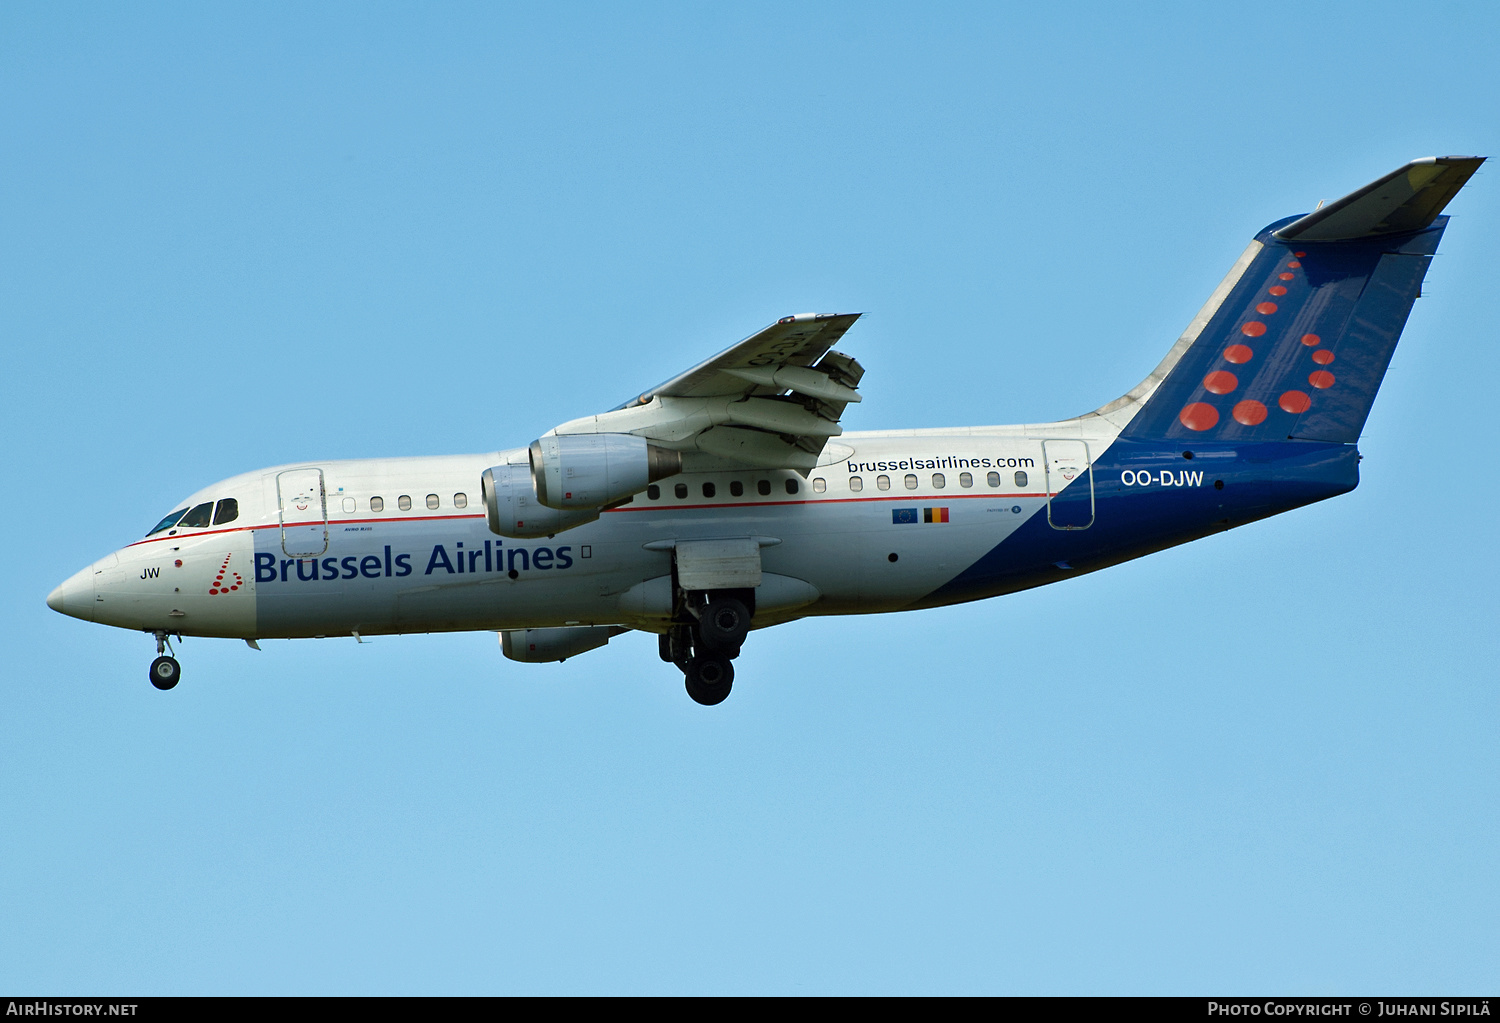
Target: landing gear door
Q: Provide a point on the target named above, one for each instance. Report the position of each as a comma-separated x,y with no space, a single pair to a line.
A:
304,512
1070,484
718,564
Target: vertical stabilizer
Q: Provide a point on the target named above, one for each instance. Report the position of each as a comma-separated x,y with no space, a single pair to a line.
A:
1298,345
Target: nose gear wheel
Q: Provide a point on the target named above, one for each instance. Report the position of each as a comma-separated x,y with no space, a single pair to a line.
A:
165,672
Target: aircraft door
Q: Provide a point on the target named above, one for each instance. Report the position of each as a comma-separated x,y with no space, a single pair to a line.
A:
304,512
1070,484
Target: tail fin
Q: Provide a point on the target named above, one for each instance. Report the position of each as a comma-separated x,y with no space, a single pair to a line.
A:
1295,341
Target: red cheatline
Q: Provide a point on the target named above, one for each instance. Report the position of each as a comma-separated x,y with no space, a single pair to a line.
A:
1198,416
1295,402
1221,381
1311,340
1321,379
1286,277
1278,290
1253,329
1238,354
1250,413
1293,265
1266,308
1322,356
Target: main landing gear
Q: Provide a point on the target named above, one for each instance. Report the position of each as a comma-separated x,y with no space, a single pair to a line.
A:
706,639
165,671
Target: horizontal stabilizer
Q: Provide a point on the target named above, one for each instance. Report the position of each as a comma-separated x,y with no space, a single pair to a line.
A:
1408,199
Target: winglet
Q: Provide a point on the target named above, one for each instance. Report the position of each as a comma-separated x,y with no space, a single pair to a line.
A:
1407,199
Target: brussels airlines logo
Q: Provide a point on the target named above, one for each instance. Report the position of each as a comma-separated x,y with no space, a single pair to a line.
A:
220,584
493,557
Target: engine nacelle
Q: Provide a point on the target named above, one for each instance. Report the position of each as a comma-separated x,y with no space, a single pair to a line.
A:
514,511
537,646
593,470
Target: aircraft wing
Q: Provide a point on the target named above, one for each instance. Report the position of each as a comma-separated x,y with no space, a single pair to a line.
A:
771,401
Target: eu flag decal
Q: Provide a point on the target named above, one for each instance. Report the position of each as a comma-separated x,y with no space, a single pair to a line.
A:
934,514
903,515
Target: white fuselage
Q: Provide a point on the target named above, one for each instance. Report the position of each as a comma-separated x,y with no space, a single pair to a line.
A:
885,519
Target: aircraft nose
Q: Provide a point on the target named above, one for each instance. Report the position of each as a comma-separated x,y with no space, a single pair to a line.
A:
75,597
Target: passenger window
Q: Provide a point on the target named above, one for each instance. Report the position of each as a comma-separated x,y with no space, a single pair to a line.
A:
403,502
1020,479
882,483
791,486
432,502
939,481
819,485
168,522
199,516
966,479
653,492
856,484
680,490
377,504
228,511
348,506
736,488
460,500
763,488
993,479
911,481
709,490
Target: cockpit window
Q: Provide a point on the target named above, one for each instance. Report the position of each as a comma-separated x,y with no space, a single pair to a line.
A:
168,522
199,516
228,511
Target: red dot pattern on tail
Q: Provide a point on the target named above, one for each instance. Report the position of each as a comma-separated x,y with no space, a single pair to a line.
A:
1199,416
1220,381
1249,413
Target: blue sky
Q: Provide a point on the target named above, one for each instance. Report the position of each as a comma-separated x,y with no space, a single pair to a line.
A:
235,237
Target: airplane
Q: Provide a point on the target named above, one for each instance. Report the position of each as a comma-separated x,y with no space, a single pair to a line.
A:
729,499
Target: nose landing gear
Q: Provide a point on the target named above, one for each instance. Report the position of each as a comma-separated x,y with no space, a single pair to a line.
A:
165,671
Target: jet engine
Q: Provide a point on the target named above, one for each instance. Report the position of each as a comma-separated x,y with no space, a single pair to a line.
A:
594,470
514,511
537,646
